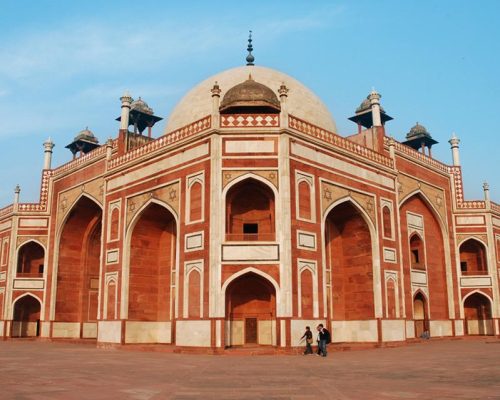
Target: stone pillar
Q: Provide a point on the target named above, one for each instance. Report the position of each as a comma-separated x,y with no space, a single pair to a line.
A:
486,188
47,153
126,101
215,105
283,92
454,142
17,190
392,151
109,148
374,98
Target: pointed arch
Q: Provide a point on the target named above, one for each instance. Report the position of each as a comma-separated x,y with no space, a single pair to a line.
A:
477,307
250,209
250,313
77,262
26,313
376,289
473,257
30,258
160,260
439,265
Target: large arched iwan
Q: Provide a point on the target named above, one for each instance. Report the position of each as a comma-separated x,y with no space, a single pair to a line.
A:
349,256
434,256
78,267
152,258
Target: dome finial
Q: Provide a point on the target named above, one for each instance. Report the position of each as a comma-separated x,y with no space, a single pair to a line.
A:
250,58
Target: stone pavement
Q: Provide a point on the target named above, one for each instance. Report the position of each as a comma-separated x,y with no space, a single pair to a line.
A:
443,369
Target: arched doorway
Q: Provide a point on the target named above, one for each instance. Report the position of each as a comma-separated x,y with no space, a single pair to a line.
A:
250,211
26,321
420,317
78,266
473,258
30,260
349,256
152,259
250,311
477,310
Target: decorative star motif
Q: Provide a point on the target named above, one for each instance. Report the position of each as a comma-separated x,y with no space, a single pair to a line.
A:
101,189
172,194
400,187
369,206
439,201
131,206
327,194
64,203
228,175
272,175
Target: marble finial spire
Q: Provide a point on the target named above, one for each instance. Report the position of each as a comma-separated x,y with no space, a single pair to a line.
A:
250,58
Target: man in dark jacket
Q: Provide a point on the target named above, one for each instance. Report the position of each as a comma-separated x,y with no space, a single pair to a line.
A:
324,339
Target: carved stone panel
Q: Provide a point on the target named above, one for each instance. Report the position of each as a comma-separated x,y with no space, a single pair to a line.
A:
330,193
168,194
68,198
407,185
229,176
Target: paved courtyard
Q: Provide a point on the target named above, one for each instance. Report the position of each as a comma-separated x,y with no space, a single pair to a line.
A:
446,369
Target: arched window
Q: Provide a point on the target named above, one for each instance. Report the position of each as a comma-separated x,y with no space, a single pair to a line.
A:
30,260
417,257
250,212
386,219
195,206
305,209
473,258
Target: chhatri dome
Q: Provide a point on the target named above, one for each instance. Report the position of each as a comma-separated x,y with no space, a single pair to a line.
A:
301,101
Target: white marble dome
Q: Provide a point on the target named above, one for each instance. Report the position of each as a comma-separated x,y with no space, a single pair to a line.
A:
302,102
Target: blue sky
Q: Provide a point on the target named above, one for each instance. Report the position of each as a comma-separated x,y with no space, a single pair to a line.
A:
64,65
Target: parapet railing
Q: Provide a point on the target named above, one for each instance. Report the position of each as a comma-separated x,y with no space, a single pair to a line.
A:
96,153
338,141
166,140
418,156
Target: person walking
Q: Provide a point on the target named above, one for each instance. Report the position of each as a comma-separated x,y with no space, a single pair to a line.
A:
324,338
308,336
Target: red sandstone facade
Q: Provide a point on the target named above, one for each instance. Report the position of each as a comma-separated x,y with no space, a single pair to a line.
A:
245,225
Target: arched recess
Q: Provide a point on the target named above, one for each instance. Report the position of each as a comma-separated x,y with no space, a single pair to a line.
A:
306,279
152,257
250,310
196,201
110,309
436,250
114,228
473,259
194,298
26,316
352,255
30,259
250,210
387,222
391,298
478,315
420,313
305,199
78,263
